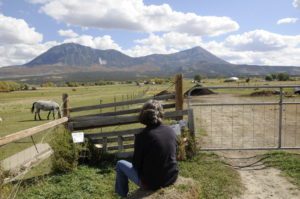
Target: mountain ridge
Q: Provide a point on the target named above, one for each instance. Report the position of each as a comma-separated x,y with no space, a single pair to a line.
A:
77,55
71,59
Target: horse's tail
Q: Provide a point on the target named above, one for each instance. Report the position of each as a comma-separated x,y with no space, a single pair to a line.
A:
32,108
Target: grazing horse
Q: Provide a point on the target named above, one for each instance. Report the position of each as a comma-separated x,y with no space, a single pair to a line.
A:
46,106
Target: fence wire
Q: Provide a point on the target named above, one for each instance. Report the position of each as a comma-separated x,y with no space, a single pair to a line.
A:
231,121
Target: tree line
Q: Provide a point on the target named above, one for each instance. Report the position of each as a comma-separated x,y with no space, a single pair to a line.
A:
6,86
277,77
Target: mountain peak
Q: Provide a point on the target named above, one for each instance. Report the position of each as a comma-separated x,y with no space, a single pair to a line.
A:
74,54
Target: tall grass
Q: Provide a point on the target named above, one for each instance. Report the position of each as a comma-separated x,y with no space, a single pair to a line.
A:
215,178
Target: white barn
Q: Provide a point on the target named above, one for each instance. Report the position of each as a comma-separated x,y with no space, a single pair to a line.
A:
233,79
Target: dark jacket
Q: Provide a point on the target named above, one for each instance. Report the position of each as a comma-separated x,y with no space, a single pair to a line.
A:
155,156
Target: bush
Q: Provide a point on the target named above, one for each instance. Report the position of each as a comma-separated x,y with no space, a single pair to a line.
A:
48,84
5,189
279,77
12,86
66,153
186,145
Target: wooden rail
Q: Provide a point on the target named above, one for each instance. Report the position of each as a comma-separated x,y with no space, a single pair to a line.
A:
122,103
115,113
31,131
90,122
106,139
113,133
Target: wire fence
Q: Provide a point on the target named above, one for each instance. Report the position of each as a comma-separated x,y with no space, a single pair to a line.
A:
228,121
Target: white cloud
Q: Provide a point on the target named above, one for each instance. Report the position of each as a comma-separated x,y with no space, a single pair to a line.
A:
13,31
16,54
237,52
134,15
67,33
21,53
257,40
287,20
102,43
296,3
167,43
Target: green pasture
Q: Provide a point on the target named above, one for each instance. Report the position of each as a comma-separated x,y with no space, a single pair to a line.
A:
15,107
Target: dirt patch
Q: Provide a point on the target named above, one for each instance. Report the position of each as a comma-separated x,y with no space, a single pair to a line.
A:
260,181
264,93
199,91
164,92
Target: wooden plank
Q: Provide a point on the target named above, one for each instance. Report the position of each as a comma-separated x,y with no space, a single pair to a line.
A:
114,148
31,131
65,98
114,133
191,122
120,143
125,154
122,112
179,94
123,103
96,122
110,140
105,143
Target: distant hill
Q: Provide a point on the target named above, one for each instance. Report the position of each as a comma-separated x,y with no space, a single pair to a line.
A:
77,55
70,60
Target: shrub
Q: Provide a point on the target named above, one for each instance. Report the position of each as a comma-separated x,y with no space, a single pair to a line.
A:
65,156
11,86
5,189
48,84
186,145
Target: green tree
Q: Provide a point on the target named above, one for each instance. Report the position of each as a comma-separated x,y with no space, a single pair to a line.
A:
198,77
269,78
274,76
283,76
48,84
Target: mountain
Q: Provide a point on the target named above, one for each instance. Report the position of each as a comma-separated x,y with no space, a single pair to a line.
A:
74,62
77,55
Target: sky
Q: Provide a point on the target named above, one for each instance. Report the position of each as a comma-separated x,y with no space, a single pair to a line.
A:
263,32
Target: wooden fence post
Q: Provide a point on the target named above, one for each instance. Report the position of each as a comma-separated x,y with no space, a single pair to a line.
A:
179,94
66,111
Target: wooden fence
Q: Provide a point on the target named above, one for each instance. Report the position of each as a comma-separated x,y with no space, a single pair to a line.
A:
107,119
121,141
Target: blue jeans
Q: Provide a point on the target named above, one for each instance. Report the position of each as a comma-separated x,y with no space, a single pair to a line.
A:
125,171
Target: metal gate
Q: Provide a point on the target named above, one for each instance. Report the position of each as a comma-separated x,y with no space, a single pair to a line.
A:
266,119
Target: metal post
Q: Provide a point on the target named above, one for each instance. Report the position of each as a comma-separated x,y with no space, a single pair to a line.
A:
280,118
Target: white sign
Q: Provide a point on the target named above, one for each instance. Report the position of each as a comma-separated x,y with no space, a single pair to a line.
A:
78,137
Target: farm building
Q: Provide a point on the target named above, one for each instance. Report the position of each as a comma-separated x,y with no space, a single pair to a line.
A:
232,79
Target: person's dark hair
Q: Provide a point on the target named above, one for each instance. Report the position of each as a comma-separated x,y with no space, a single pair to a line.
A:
152,113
